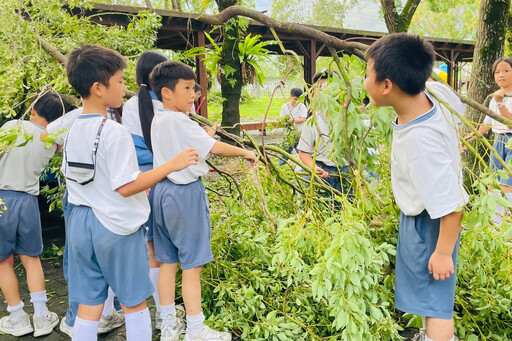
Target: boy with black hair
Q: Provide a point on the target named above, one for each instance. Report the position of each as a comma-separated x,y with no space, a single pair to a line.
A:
297,114
426,177
181,215
20,225
110,206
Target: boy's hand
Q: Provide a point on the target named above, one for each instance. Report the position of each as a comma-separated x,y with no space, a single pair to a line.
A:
250,156
323,174
499,95
440,266
187,157
211,130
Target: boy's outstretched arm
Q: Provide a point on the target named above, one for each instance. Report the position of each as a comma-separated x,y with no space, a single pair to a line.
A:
224,149
440,264
308,161
147,179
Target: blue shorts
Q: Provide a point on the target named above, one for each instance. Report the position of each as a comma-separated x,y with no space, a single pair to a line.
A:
500,145
20,225
98,258
416,290
182,227
149,223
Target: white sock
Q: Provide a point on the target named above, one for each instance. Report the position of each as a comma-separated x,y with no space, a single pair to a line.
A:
138,326
85,330
427,339
195,324
39,300
153,275
168,314
108,307
16,311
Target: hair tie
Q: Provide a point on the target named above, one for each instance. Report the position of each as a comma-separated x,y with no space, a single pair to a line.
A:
144,85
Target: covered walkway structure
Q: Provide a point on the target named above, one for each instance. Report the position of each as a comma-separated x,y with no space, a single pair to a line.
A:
182,31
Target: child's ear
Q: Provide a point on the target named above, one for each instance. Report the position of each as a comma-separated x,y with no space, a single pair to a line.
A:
96,89
166,93
387,86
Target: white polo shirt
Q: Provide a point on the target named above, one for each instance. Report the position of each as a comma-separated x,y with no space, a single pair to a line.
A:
172,132
426,170
498,127
116,165
310,135
63,122
21,167
131,117
298,111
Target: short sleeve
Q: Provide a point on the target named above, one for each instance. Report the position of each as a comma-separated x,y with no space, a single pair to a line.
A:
302,112
284,111
196,137
307,138
120,157
435,178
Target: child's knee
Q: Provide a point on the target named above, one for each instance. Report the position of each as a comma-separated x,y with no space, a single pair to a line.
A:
133,309
8,262
30,261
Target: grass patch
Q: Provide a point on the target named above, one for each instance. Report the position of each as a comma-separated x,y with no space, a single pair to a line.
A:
252,110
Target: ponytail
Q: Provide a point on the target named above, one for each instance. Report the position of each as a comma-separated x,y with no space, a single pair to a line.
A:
146,114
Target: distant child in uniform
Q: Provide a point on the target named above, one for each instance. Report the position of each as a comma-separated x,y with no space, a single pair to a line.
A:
297,114
198,90
107,246
138,113
181,214
20,224
426,176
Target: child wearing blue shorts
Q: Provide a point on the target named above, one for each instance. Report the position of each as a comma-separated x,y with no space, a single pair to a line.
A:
426,176
20,225
106,244
181,215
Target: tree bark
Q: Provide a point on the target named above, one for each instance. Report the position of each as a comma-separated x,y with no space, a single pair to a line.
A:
490,41
398,22
231,71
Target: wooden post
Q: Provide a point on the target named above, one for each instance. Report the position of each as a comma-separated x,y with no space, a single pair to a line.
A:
201,75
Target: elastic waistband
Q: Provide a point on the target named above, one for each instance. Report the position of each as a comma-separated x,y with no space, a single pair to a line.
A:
4,193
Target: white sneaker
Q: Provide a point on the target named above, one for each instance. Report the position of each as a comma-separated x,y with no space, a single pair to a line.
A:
17,327
44,325
209,334
180,315
66,328
172,334
108,323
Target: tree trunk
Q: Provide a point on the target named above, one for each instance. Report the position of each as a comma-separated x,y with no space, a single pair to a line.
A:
231,74
398,22
490,41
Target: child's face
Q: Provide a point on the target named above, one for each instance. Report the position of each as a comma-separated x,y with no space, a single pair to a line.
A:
182,98
198,95
293,100
371,85
113,95
503,75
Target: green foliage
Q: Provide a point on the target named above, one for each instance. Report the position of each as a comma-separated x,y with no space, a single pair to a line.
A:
52,252
25,68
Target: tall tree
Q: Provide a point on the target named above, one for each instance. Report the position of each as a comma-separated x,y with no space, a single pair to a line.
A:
398,22
490,43
231,69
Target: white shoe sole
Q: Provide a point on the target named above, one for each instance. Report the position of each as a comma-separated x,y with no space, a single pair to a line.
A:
22,332
46,331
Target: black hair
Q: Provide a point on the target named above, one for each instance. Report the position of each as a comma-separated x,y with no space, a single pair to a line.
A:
366,100
197,87
168,74
50,106
404,59
499,60
296,92
145,64
324,74
89,64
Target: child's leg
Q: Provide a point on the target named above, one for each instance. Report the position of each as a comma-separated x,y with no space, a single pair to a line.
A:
86,322
9,282
138,322
166,289
35,283
191,290
439,329
154,271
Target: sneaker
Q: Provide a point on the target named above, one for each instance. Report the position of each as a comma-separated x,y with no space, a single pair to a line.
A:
66,328
44,325
111,322
17,327
172,334
180,315
209,334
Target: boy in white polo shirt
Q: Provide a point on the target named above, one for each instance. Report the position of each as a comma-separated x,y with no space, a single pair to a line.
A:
297,114
181,214
106,243
20,225
426,176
